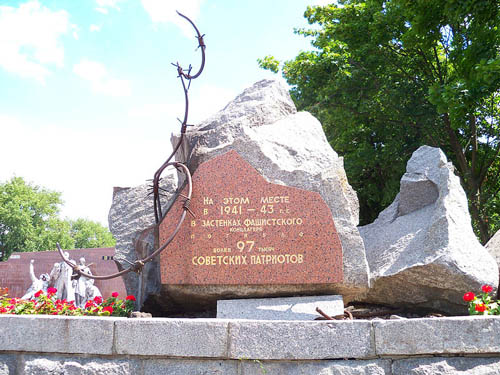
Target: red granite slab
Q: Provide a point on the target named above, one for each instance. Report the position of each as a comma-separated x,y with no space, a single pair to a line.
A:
249,231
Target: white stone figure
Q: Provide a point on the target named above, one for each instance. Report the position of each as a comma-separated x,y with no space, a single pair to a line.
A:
37,284
66,273
81,284
92,291
56,280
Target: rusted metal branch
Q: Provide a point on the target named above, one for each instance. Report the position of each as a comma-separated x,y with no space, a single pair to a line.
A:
139,264
183,76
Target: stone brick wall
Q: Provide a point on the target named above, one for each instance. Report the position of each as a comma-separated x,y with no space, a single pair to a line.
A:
92,345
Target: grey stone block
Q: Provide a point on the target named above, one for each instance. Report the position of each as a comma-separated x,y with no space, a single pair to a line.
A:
458,335
57,334
8,364
286,308
447,366
172,337
305,340
191,367
55,365
373,367
421,249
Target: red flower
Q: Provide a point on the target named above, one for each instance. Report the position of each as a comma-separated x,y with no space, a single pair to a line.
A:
89,304
130,298
108,308
469,296
51,291
114,294
487,288
480,307
98,299
3,310
37,294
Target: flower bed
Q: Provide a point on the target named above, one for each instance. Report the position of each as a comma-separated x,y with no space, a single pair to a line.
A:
47,303
482,304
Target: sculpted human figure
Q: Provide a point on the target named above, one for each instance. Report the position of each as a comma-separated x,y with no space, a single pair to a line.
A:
36,284
92,291
81,284
56,280
68,292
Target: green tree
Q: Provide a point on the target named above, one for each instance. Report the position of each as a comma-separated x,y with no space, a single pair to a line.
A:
29,221
386,77
90,234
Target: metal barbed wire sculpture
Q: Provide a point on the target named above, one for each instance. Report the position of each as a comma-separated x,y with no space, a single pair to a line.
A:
139,264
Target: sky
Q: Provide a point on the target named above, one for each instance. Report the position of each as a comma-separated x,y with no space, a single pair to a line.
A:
88,95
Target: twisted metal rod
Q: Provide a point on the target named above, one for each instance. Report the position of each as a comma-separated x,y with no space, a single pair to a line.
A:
138,265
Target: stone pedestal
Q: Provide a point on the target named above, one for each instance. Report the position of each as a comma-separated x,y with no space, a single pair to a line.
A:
288,308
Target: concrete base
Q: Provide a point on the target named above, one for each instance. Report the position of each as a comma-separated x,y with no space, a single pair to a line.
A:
286,308
148,346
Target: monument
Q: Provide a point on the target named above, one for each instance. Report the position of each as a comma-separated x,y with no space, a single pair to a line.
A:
273,214
245,230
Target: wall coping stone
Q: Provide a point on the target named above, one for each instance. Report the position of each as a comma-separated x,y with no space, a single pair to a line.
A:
250,339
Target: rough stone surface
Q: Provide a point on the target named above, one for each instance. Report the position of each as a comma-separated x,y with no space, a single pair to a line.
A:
58,334
374,367
131,221
7,364
493,246
194,367
285,308
174,338
310,340
421,249
474,335
287,148
37,365
447,366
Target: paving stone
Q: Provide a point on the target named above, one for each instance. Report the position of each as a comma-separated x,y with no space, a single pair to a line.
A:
172,337
372,367
307,340
8,364
286,308
57,334
437,336
191,367
447,366
56,365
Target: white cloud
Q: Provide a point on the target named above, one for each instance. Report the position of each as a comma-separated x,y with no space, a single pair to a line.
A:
204,101
100,79
104,5
95,28
108,3
29,39
102,10
164,11
83,164
322,2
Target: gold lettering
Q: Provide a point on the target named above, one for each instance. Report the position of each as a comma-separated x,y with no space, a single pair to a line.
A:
205,211
207,200
277,199
237,200
264,259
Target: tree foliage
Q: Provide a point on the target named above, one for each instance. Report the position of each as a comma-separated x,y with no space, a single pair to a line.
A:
386,77
90,234
29,222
